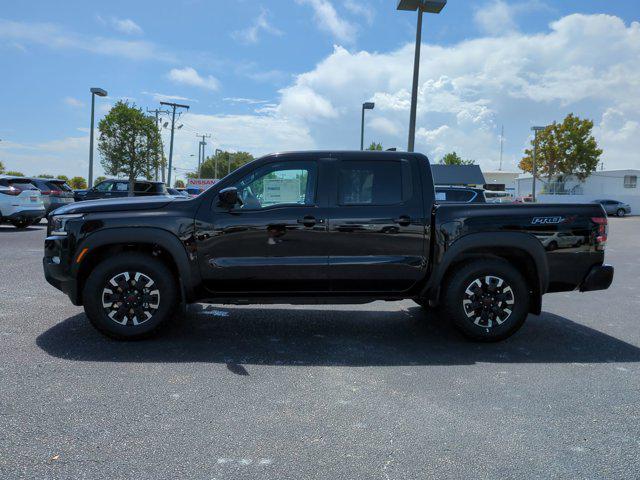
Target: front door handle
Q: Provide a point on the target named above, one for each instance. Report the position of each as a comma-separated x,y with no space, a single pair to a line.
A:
403,220
308,220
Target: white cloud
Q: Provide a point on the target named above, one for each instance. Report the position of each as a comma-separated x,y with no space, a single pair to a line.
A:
328,20
251,34
498,17
55,37
162,97
73,102
248,101
189,76
362,9
384,125
126,25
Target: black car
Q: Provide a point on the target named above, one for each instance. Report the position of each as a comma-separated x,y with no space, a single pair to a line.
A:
120,188
55,193
322,227
460,195
614,207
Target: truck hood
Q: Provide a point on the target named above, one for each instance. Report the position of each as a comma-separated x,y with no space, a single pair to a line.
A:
116,205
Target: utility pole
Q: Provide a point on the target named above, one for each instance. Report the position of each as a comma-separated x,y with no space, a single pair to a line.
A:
217,152
501,145
201,147
173,125
535,154
157,112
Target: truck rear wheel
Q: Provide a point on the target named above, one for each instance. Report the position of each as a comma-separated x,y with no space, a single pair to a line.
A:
487,300
129,295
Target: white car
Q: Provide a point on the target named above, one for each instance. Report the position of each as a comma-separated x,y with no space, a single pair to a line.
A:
20,202
553,241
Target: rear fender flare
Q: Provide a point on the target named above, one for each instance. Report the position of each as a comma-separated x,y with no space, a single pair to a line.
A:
522,242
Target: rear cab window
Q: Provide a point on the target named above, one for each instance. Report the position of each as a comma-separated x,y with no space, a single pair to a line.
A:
374,182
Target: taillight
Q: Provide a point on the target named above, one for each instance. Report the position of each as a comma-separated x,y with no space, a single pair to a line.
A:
12,191
602,231
55,192
45,192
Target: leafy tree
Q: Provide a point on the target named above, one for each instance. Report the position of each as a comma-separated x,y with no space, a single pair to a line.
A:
45,175
63,177
78,183
129,143
178,184
224,160
453,158
1,167
375,146
13,173
566,148
98,180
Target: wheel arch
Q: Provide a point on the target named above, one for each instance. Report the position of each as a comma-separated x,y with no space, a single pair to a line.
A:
522,250
156,242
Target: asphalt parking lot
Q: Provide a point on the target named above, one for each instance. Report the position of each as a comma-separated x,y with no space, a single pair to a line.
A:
339,392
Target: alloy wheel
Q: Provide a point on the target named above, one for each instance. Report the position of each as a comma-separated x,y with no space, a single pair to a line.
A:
488,301
130,298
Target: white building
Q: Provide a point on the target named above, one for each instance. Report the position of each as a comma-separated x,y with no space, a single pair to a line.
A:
621,185
501,181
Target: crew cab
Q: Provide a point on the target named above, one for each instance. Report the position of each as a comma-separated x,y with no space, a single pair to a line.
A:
120,189
322,227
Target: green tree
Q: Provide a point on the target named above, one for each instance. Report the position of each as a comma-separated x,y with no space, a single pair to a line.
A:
78,183
129,143
453,158
375,146
13,173
566,148
179,184
45,175
226,162
1,167
63,177
98,180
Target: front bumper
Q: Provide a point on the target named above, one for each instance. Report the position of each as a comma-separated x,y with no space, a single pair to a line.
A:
598,278
56,268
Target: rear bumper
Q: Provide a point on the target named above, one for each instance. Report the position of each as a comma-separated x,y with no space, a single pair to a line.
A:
29,214
598,278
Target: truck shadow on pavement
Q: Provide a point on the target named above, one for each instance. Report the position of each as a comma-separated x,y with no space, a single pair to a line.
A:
313,337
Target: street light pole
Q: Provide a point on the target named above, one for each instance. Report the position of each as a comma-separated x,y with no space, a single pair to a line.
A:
429,6
365,106
101,93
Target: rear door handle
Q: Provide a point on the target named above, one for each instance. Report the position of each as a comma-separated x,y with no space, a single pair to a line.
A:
403,220
308,220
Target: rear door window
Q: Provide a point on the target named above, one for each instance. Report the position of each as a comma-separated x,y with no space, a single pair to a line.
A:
373,182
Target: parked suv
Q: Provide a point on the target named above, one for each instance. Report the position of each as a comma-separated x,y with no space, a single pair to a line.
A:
120,188
20,202
614,207
460,195
321,227
55,193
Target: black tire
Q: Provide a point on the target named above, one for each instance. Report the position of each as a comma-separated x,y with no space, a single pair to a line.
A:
621,212
21,224
462,293
144,300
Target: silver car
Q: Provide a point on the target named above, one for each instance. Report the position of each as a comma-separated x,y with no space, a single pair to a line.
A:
614,207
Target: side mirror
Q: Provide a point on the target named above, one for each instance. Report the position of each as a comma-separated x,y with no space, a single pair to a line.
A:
228,197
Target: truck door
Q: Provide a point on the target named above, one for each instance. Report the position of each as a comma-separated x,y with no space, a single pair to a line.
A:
376,224
275,241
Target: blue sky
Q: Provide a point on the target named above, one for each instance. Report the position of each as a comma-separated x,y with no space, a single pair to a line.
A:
292,74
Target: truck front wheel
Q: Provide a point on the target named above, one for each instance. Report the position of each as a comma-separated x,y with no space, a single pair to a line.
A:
129,295
487,299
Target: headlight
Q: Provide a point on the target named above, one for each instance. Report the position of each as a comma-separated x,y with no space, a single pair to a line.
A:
59,222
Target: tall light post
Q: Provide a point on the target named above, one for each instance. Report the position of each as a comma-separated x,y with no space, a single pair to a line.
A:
173,127
365,106
101,93
429,6
534,163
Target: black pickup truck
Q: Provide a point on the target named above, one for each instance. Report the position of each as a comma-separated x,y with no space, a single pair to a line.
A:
323,227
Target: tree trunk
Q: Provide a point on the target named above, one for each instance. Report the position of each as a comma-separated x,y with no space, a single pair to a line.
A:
132,182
